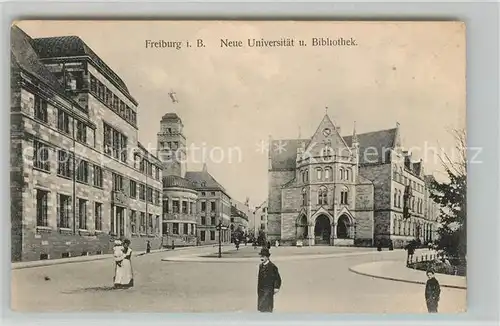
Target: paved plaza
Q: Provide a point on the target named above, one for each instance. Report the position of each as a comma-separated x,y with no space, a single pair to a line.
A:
319,285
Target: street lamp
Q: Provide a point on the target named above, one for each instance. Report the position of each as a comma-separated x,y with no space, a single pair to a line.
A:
219,226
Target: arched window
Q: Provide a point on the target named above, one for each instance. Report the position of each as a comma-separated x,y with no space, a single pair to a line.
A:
319,174
344,196
341,173
399,226
322,196
395,197
328,173
399,198
305,176
347,174
394,222
395,172
304,197
401,174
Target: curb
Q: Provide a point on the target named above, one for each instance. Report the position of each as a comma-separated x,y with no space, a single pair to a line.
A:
85,259
388,278
195,258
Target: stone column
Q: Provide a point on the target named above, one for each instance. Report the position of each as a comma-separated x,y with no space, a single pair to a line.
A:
310,235
125,222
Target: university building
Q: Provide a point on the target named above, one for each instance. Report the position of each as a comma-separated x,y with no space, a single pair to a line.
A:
361,189
194,202
79,177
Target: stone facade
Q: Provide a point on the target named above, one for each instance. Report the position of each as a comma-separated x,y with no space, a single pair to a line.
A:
70,195
347,190
261,221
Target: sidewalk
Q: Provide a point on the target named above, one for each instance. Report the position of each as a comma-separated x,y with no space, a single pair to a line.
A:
397,271
197,258
82,259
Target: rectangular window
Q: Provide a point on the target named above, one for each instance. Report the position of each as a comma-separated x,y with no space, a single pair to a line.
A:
212,194
175,206
157,173
98,216
64,160
63,211
41,156
202,235
203,220
115,143
116,103
150,223
175,228
212,235
63,121
42,197
192,208
41,109
82,213
133,221
156,197
150,195
81,132
142,192
185,226
97,176
212,220
184,207
82,171
133,189
203,206
165,206
212,206
93,84
117,182
142,222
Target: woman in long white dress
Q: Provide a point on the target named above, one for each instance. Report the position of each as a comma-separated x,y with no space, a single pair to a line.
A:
124,277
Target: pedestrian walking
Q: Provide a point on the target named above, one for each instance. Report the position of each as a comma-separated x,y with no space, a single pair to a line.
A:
148,247
268,283
432,292
410,248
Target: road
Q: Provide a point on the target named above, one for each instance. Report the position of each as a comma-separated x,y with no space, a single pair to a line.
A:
322,285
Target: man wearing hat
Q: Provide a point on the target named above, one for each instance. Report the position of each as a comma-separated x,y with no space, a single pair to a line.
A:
268,284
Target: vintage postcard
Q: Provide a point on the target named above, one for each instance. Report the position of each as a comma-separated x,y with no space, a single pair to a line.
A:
238,166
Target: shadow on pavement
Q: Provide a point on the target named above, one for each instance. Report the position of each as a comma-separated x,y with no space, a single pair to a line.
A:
92,289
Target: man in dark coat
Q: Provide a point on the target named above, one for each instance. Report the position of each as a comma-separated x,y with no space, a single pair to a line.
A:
269,282
432,292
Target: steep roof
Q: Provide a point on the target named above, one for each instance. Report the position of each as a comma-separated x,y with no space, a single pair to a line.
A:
74,46
174,181
24,54
375,144
285,159
203,180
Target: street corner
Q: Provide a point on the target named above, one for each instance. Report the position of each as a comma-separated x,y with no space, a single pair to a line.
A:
398,272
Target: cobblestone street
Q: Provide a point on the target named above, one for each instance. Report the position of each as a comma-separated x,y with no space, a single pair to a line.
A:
315,285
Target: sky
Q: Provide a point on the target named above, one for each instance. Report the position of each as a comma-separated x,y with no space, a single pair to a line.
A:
234,99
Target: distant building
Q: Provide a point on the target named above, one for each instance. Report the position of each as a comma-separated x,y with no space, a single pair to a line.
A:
79,177
347,190
214,207
240,216
260,222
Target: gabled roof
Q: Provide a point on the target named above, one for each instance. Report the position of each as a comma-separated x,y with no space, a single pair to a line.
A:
74,46
375,144
25,56
203,180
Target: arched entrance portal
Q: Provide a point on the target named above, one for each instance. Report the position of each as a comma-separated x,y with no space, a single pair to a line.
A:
344,227
322,230
301,228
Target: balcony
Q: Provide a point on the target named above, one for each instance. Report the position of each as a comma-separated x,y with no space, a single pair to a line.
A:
119,198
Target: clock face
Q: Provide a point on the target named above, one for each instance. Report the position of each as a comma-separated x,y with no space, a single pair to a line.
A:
326,132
